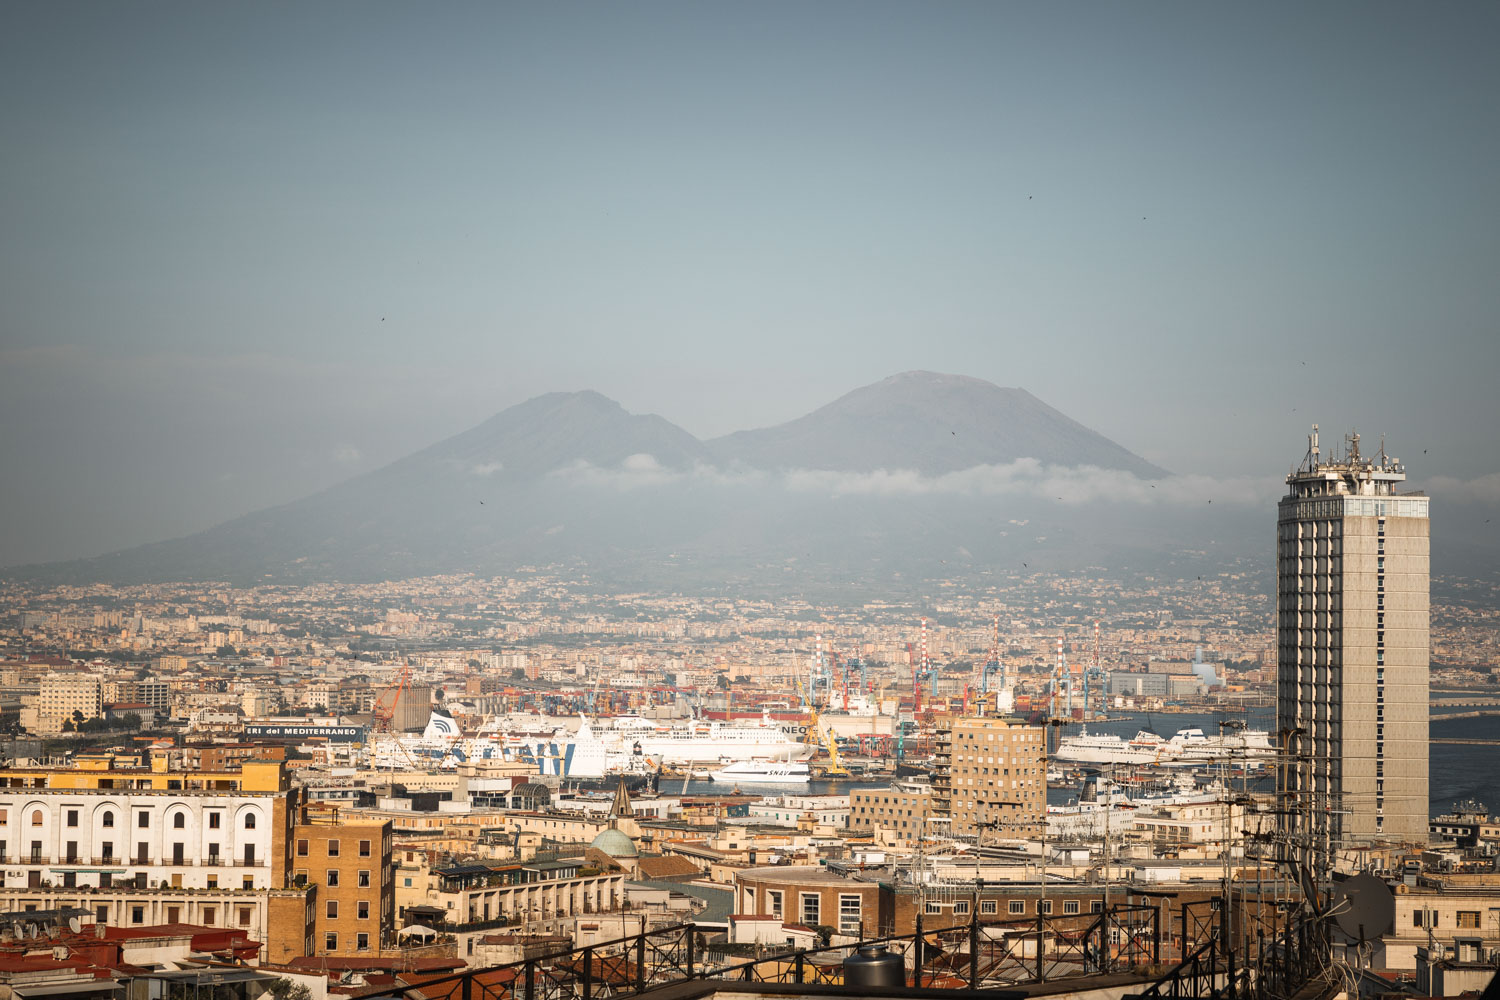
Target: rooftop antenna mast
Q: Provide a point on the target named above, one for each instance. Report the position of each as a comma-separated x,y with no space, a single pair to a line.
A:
1313,459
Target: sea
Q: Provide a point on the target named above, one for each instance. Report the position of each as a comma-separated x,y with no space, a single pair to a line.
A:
1456,771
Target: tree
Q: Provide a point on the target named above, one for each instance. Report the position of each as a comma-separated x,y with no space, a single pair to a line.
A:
289,989
67,725
131,721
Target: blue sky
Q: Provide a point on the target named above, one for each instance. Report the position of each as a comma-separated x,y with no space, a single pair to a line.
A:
250,250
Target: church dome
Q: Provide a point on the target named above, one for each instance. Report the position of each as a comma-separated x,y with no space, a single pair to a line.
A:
615,844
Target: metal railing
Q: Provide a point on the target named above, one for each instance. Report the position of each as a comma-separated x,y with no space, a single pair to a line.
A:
978,954
1265,967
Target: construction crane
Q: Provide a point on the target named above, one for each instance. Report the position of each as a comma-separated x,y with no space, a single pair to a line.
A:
389,700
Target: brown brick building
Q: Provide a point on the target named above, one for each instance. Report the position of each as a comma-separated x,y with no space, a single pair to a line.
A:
902,807
810,896
874,901
354,908
991,774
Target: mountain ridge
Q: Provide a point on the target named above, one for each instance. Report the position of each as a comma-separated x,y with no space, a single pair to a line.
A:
931,423
512,490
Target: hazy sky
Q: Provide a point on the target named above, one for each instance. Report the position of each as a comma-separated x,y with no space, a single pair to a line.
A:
250,250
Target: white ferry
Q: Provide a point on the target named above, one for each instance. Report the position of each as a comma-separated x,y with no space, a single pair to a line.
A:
765,772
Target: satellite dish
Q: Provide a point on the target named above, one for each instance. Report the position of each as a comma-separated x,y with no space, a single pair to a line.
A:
75,925
1364,907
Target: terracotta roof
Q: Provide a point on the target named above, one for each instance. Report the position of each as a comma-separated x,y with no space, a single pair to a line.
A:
666,867
393,964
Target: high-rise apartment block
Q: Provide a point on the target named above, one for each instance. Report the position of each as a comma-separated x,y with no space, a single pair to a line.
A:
1352,646
67,698
991,775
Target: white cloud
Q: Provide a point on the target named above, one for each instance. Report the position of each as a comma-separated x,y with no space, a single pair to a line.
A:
486,468
347,454
1024,477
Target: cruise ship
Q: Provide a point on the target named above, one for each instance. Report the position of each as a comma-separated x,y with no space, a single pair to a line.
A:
624,745
1187,747
1103,806
696,741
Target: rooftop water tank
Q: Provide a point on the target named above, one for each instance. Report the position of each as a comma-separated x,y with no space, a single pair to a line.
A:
872,965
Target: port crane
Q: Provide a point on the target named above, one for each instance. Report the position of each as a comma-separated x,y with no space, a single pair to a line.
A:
817,735
1095,672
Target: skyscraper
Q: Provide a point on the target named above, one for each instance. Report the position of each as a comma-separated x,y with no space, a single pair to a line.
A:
1352,653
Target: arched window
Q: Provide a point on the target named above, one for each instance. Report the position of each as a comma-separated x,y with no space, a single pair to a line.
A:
109,819
179,821
249,821
36,817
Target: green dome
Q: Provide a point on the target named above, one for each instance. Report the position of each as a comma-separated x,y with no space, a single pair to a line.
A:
615,844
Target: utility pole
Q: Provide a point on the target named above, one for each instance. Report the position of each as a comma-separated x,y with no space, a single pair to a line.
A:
1109,807
1226,779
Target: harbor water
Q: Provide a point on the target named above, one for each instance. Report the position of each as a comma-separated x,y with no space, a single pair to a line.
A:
1458,771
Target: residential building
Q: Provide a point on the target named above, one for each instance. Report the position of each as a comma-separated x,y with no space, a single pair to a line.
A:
141,845
902,807
1453,916
810,896
68,698
1352,646
991,775
349,860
